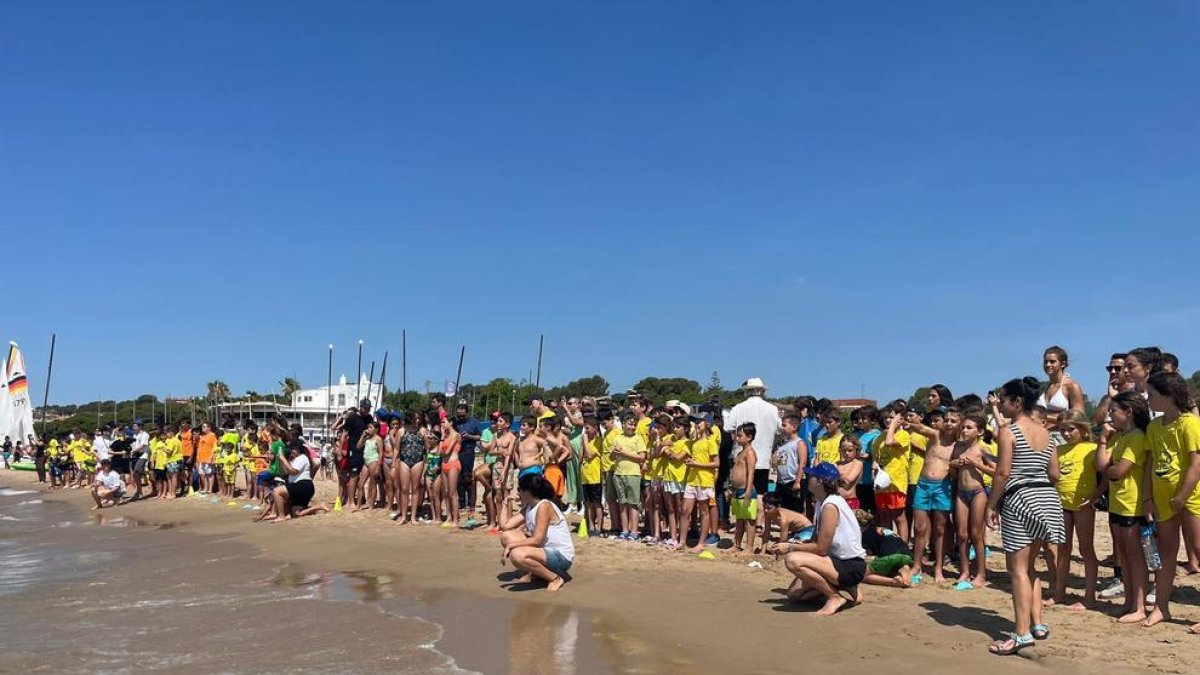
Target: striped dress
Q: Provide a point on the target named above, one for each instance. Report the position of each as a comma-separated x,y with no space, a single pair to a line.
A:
1032,510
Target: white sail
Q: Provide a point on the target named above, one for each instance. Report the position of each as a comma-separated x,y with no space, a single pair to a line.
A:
19,405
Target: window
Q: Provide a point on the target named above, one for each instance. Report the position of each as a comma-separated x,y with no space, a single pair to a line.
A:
341,400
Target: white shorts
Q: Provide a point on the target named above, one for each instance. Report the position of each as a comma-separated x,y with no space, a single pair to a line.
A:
700,494
205,469
672,488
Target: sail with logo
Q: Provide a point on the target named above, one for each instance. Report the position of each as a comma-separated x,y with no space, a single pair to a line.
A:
16,415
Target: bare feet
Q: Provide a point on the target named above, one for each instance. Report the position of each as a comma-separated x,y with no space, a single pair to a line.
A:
1075,607
527,579
1195,629
1155,617
696,549
939,579
832,605
1049,602
555,584
901,582
1132,617
979,582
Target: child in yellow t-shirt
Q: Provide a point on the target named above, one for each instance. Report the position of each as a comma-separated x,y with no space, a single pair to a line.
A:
1126,473
1078,489
674,472
892,450
701,479
591,476
228,460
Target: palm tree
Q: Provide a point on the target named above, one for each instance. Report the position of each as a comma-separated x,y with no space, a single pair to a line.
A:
218,391
289,386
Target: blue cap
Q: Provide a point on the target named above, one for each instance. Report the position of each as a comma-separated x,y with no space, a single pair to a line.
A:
823,471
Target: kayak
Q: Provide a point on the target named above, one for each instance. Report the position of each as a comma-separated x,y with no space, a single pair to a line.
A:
23,466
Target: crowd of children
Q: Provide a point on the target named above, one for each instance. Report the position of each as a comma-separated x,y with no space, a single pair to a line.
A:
916,475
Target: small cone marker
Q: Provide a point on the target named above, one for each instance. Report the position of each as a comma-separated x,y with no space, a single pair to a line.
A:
583,533
337,505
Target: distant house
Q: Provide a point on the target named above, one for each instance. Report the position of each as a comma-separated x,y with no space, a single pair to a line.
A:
848,404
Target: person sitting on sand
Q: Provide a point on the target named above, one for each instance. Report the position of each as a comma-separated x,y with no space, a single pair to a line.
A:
292,499
108,485
834,561
543,549
892,561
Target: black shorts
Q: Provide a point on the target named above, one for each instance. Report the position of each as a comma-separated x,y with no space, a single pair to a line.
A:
788,499
866,496
301,493
593,493
120,465
850,571
762,480
160,474
1127,521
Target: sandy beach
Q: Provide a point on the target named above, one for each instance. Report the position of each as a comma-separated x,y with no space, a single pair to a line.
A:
629,608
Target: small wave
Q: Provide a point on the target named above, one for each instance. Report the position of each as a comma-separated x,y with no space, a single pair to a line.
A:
30,501
8,518
9,492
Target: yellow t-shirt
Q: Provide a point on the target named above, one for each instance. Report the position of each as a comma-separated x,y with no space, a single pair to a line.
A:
916,461
1171,447
643,430
704,451
893,459
1125,495
827,449
633,445
81,452
606,458
675,470
994,454
174,450
1077,474
158,454
589,470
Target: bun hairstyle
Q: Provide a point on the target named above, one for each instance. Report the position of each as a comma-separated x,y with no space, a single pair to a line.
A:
1025,389
1136,405
1173,386
537,486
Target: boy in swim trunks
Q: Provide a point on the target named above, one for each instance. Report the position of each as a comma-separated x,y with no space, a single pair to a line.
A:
744,505
932,497
891,564
501,447
775,515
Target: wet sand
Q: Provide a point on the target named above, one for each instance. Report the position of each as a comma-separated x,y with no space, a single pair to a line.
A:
629,608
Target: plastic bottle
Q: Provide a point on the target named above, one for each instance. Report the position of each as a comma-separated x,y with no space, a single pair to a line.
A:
1150,548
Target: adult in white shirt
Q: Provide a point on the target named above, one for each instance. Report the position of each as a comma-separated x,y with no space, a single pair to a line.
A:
834,560
140,452
101,447
766,420
538,541
108,485
294,497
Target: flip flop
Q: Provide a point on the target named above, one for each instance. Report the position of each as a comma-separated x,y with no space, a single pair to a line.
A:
1041,631
964,586
916,579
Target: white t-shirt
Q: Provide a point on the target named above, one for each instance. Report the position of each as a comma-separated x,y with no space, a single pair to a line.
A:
558,535
110,479
847,538
101,448
141,441
301,462
765,417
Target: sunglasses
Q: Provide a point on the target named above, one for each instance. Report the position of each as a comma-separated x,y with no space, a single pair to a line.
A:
1114,369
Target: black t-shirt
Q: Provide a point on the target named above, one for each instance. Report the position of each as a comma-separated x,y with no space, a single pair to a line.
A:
8,446
879,544
355,426
121,447
470,426
724,452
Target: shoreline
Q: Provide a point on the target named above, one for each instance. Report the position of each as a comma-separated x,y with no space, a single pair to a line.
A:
647,610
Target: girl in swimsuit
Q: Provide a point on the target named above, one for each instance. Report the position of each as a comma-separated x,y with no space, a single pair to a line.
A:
371,445
433,466
410,467
391,446
448,448
969,463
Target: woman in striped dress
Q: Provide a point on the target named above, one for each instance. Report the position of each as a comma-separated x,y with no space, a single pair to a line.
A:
1026,506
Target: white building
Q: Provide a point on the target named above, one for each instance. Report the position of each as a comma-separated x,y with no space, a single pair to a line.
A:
313,409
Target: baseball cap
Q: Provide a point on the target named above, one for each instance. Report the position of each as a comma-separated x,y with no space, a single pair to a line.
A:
703,417
823,471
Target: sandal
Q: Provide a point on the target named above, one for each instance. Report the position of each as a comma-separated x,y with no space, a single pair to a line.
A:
1041,631
1013,645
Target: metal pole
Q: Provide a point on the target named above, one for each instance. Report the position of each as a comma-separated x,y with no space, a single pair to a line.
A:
404,360
458,377
370,381
383,378
358,375
329,392
49,372
538,382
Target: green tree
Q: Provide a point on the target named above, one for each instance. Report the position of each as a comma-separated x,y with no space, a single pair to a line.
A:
662,389
920,396
289,386
1194,384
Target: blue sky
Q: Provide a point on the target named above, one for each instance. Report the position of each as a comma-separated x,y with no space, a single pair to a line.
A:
828,196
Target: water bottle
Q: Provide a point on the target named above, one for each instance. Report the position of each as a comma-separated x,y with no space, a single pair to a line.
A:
1150,549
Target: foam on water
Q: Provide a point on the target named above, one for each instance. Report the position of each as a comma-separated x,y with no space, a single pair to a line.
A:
9,492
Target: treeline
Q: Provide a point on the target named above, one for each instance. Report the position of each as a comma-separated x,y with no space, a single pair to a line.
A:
95,414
